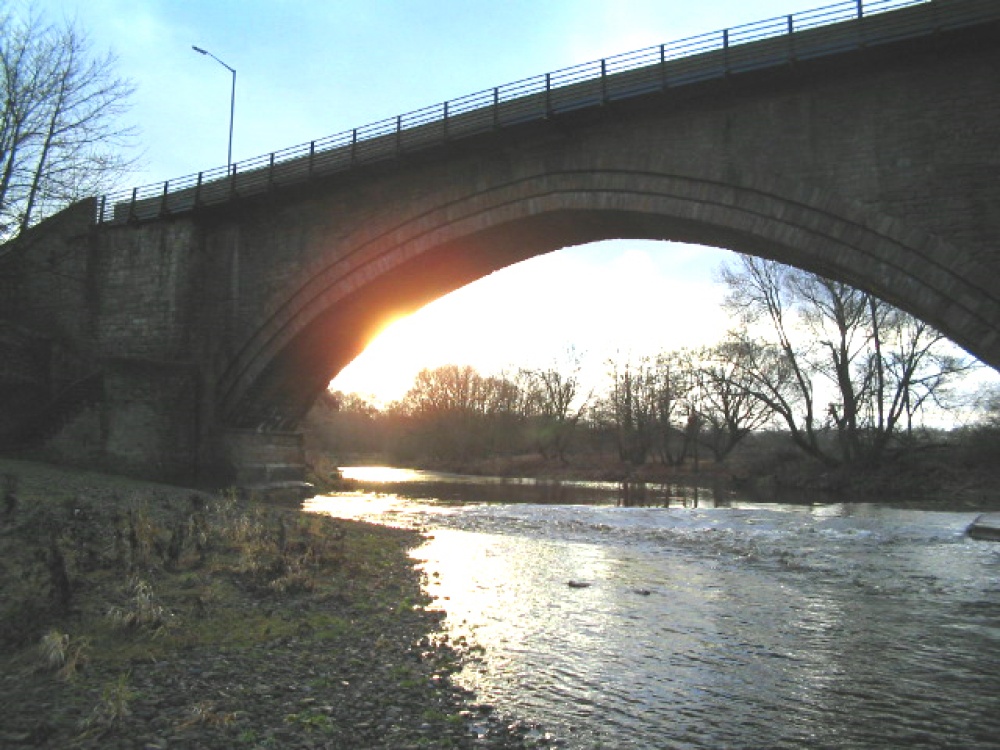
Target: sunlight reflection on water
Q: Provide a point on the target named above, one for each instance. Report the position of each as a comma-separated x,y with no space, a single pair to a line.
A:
379,474
747,625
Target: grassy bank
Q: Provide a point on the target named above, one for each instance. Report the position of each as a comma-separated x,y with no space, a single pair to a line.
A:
145,616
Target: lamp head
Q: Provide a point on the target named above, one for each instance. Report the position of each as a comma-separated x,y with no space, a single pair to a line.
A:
199,50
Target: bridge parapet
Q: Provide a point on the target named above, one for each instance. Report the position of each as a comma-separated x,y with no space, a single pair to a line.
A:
822,32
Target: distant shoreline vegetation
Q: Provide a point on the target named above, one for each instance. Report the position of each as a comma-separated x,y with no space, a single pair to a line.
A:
819,384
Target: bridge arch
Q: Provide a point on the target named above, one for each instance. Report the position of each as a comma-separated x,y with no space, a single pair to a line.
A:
328,317
865,150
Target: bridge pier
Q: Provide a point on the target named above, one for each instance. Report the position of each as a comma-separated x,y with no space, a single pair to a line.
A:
150,417
271,463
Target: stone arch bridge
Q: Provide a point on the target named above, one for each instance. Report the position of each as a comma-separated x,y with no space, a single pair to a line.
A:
181,332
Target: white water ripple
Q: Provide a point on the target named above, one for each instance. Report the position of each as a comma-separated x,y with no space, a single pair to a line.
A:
737,627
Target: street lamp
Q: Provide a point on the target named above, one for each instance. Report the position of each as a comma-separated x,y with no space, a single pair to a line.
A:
232,100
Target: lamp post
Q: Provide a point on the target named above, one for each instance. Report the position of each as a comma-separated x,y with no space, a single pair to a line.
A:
232,101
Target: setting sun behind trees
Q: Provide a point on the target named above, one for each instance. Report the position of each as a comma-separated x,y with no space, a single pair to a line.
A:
620,297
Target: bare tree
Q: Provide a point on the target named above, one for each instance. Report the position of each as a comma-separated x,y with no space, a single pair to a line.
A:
773,372
881,365
917,368
454,413
651,409
505,409
672,380
559,405
629,408
727,408
60,135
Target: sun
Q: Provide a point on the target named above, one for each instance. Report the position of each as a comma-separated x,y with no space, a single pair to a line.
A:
384,371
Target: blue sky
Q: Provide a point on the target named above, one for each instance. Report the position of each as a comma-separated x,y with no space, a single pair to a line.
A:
309,69
306,70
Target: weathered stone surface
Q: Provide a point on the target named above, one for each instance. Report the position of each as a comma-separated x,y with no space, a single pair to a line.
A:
986,526
877,167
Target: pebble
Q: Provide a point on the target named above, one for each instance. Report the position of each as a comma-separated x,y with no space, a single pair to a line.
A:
381,685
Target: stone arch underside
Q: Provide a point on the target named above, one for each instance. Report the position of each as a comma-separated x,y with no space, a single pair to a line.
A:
331,316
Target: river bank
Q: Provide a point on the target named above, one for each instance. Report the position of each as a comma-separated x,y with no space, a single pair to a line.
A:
707,621
960,475
146,616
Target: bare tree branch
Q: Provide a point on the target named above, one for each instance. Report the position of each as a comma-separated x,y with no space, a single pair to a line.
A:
60,133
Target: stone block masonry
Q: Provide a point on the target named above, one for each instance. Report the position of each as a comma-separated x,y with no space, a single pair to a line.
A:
213,331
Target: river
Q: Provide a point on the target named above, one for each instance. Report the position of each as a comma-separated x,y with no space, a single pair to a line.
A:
683,619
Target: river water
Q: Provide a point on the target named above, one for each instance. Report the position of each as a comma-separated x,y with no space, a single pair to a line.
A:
683,619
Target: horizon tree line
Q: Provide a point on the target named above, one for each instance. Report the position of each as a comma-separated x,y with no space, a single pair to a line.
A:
846,376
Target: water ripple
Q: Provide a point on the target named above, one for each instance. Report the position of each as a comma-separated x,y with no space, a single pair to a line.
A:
747,627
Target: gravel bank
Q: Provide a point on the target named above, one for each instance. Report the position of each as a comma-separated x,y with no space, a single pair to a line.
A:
261,628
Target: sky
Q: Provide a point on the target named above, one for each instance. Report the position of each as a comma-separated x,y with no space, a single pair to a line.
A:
308,69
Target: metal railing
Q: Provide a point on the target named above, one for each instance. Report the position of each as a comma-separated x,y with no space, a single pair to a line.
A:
828,30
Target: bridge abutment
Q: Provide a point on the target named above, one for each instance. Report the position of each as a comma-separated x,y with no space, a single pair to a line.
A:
266,462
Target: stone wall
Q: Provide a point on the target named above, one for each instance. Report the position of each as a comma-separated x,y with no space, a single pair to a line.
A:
150,418
46,281
878,167
255,458
143,299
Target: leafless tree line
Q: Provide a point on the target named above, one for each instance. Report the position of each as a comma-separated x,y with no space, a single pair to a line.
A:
454,412
845,375
837,361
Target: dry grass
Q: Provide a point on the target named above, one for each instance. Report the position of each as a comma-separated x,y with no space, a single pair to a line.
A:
137,569
118,595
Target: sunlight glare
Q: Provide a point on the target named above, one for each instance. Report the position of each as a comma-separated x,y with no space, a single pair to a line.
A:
616,299
379,474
